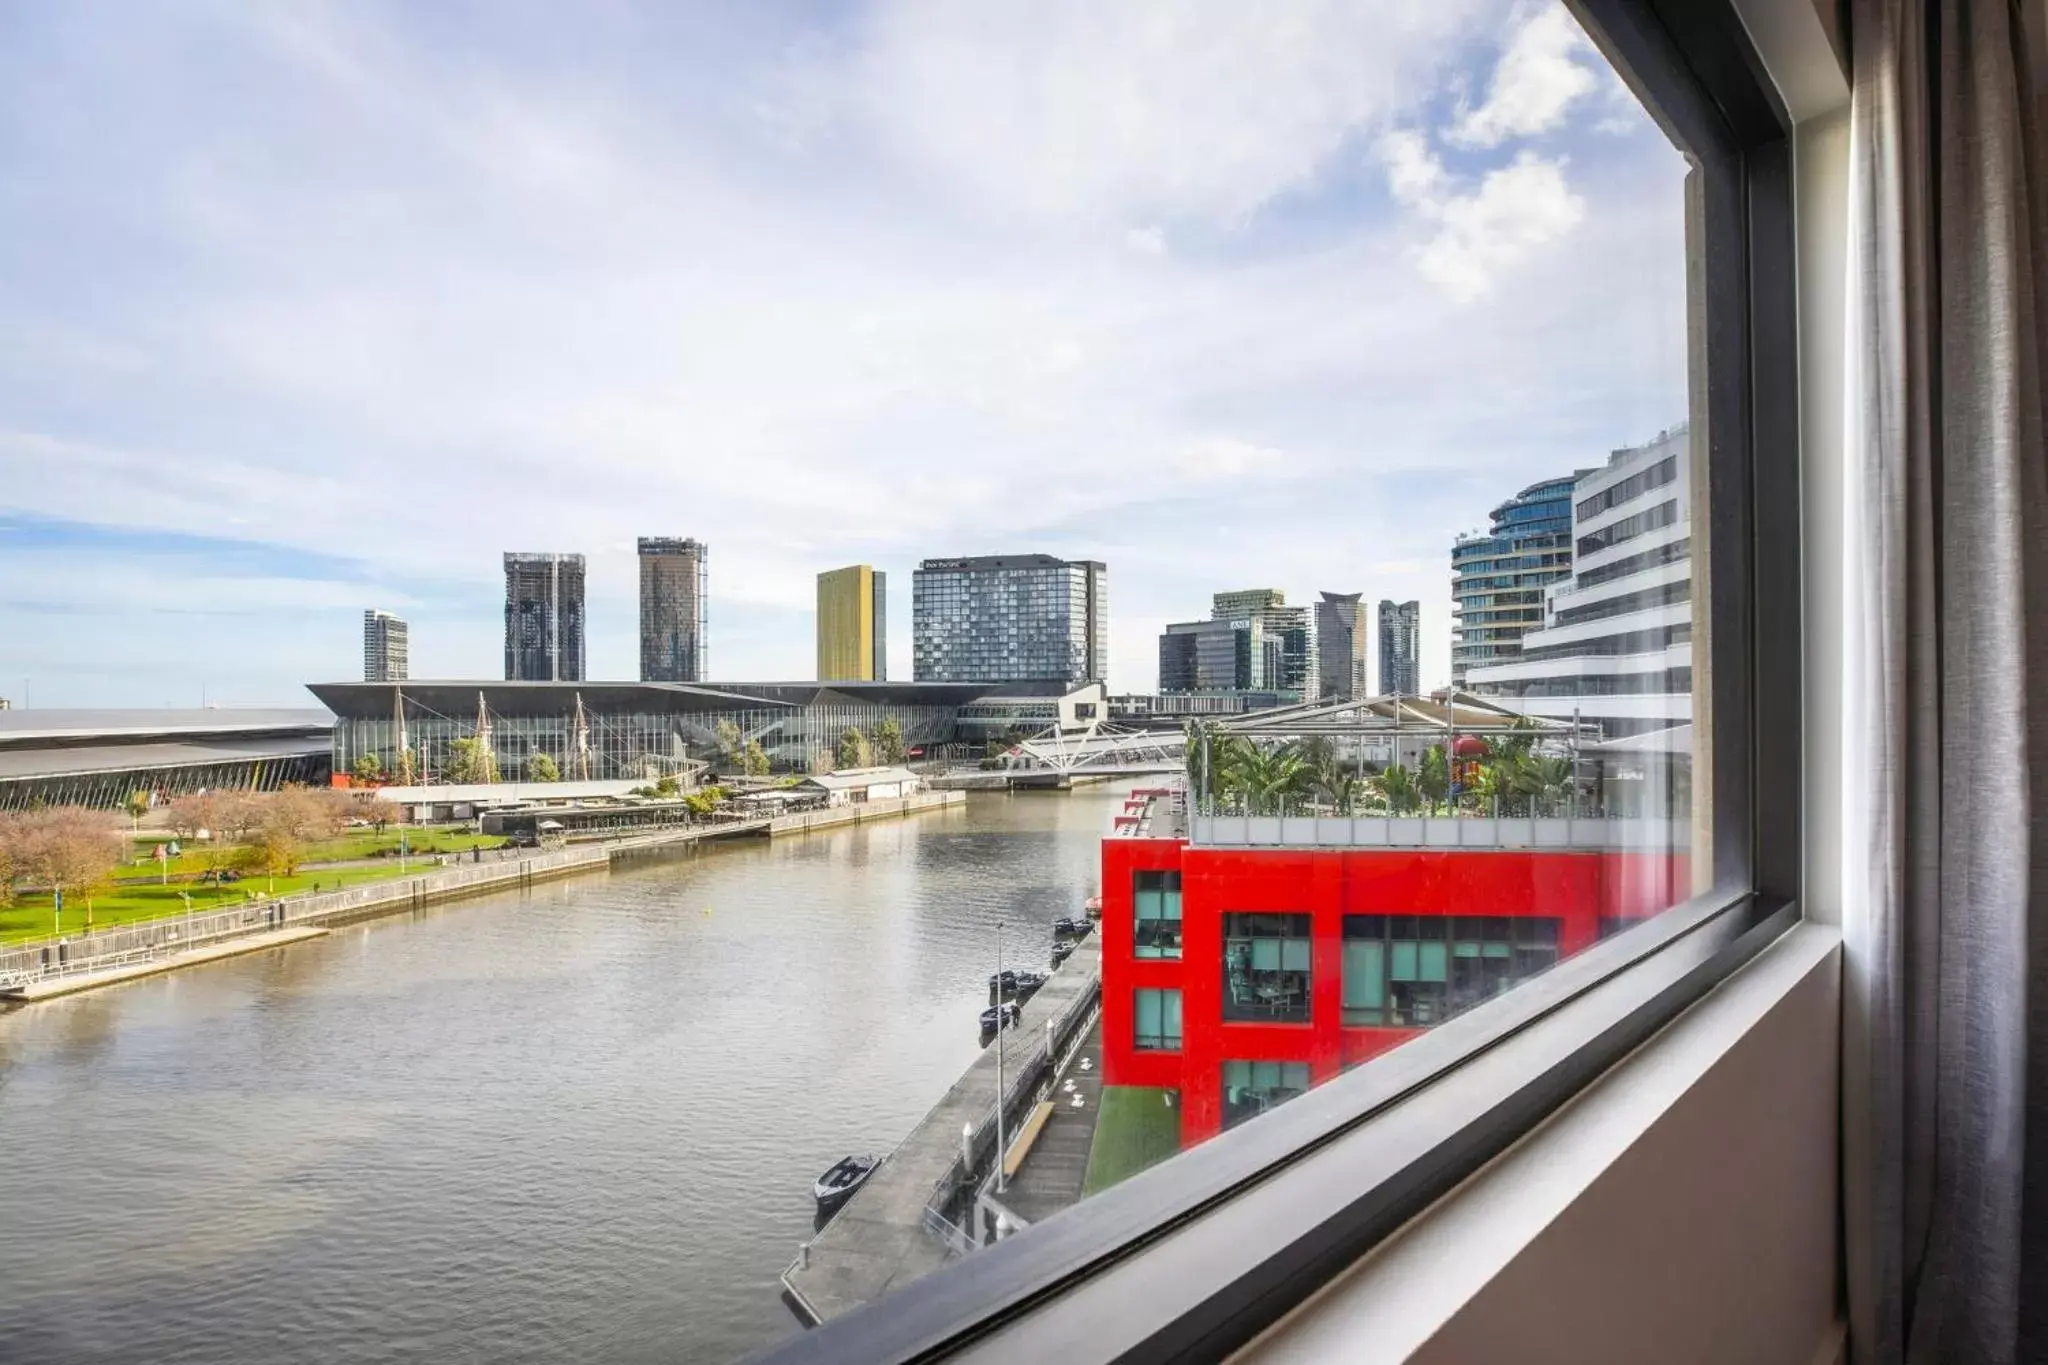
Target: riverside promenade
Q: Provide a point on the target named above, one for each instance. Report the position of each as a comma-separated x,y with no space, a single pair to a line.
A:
906,1220
53,967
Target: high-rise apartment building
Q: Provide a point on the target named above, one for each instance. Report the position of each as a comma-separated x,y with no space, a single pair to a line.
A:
543,617
1009,618
1286,661
673,595
1400,649
853,625
1341,640
1212,656
1498,577
1615,646
387,655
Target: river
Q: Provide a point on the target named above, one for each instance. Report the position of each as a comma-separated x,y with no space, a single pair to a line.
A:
575,1124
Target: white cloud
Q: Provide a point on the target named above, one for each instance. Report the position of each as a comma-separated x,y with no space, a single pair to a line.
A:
1475,234
902,302
1537,81
1144,110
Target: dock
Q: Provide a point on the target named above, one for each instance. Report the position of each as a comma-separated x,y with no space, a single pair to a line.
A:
905,1221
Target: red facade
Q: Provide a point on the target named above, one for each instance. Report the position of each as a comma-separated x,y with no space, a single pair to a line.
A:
1579,889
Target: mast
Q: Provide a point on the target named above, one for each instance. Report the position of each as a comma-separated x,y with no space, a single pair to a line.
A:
580,742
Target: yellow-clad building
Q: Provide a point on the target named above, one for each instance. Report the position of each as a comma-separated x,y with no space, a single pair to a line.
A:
853,625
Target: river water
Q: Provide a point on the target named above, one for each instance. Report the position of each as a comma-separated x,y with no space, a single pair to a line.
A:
575,1124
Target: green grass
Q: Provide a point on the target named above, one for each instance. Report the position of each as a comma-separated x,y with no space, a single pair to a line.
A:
32,917
355,845
1135,1128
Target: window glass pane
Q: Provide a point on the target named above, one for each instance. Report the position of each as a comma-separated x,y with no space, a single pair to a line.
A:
1351,385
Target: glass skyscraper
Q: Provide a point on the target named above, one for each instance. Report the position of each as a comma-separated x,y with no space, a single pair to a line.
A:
672,601
1498,578
1000,618
1400,649
543,617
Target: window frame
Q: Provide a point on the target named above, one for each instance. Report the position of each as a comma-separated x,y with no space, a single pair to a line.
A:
1178,1260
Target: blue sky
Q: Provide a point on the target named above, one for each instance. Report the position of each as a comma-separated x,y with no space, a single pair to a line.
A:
309,308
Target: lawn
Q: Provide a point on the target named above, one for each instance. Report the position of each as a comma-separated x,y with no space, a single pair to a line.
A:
32,916
1134,1128
356,844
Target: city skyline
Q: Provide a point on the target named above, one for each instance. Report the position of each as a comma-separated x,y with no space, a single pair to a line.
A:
1201,369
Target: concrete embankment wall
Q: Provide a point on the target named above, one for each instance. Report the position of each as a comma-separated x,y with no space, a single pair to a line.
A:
864,810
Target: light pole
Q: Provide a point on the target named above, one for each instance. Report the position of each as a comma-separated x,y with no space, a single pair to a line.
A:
1000,1145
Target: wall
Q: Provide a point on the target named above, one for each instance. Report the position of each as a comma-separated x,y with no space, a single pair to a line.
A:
1579,889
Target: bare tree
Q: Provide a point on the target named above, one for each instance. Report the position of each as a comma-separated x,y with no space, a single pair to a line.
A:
191,814
70,849
236,816
10,856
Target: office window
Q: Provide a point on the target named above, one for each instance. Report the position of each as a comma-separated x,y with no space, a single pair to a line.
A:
1266,968
1412,971
1156,896
1251,1088
1158,1019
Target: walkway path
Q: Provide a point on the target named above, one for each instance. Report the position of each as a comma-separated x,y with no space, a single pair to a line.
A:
1050,1178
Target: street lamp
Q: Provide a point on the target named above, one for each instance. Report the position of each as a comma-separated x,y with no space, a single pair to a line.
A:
1001,1147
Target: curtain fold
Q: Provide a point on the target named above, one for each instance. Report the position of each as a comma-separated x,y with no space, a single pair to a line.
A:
1945,712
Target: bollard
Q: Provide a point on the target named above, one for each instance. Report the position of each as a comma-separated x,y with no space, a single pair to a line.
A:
803,1255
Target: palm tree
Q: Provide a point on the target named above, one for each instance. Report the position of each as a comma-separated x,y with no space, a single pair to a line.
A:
1269,778
1397,787
1434,781
1546,779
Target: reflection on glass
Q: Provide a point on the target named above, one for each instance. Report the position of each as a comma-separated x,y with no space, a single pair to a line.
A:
1266,968
1251,1088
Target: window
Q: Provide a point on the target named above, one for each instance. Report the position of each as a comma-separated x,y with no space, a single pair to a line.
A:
1412,971
1156,896
1158,1020
1266,968
1251,1088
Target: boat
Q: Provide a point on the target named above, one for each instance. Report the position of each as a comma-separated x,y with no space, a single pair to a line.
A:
837,1185
1092,907
988,1016
1015,985
1066,926
1061,951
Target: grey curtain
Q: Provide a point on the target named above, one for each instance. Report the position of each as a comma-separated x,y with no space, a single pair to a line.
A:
1945,712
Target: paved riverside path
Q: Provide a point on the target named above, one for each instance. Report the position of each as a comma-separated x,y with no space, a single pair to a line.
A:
878,1241
1050,1178
50,987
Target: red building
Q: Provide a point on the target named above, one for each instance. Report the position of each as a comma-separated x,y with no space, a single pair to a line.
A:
1240,975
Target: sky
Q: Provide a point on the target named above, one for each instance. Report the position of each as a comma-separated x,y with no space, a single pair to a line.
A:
309,308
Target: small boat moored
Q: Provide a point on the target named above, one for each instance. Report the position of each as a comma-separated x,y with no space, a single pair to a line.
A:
1061,951
837,1185
1066,926
1009,1016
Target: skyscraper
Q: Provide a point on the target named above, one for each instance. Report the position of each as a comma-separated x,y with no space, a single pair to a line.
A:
1341,645
853,625
543,617
1400,648
672,601
1010,618
1286,662
1615,647
1499,576
386,648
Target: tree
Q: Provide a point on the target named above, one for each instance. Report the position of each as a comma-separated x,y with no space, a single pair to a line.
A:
727,733
10,856
1397,788
367,768
70,849
274,853
1434,781
853,751
407,773
754,759
236,816
137,805
302,815
889,741
191,814
471,762
542,768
